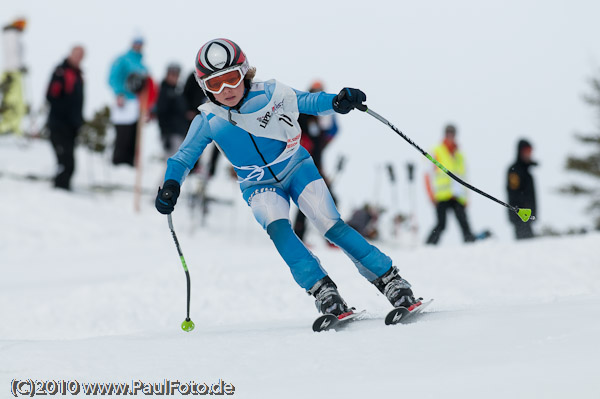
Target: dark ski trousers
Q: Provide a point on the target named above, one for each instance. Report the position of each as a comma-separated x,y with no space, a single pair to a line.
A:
124,151
459,210
523,230
300,225
62,138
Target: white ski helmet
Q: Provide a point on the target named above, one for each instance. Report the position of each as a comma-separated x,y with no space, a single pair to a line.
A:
218,55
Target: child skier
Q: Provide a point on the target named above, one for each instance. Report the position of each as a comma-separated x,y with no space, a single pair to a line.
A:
254,124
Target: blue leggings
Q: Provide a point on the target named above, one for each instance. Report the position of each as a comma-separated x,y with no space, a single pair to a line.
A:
270,204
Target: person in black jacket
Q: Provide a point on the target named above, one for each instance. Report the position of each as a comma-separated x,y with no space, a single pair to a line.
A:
65,95
194,96
521,190
317,133
171,110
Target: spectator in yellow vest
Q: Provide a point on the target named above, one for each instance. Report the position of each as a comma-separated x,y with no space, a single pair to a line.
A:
12,102
444,192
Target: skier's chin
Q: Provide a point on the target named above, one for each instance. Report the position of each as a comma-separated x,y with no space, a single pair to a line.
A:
230,97
230,101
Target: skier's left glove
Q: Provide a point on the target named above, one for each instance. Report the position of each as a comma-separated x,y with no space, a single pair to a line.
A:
348,99
167,197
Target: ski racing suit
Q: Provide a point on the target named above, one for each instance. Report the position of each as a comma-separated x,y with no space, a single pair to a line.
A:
261,139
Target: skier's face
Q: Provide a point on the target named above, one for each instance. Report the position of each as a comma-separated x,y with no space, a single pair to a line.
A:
230,97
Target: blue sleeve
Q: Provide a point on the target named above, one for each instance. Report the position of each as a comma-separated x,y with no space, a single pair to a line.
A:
198,137
308,103
315,103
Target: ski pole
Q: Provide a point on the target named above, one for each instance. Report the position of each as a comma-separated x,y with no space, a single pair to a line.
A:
524,213
187,324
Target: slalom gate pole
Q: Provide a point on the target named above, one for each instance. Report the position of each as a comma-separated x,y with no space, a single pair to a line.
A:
524,213
187,324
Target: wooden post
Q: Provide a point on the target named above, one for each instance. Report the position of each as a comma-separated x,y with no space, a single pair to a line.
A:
137,193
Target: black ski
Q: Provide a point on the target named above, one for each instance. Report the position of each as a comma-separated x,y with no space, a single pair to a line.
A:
332,322
404,315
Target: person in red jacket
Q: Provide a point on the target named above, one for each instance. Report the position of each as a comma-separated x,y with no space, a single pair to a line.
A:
317,133
65,95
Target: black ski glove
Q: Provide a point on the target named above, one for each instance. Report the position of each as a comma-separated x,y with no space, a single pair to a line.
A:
167,197
348,99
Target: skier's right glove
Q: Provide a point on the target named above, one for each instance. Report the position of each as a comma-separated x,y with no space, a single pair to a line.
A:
167,197
348,99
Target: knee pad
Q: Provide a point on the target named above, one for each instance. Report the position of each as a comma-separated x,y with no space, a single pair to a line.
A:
268,207
316,203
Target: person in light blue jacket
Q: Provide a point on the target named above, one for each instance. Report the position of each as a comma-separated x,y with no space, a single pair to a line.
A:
254,124
126,73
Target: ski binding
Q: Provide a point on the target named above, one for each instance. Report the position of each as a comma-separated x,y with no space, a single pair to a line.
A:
403,315
332,322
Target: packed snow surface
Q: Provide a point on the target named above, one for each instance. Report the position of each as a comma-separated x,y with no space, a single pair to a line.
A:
92,291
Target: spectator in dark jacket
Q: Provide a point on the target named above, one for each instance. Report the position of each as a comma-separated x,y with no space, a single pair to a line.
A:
317,133
65,94
317,130
521,190
171,110
195,96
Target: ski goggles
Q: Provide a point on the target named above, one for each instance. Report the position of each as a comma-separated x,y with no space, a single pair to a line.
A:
231,77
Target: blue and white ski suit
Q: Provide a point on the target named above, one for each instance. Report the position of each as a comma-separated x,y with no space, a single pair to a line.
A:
261,139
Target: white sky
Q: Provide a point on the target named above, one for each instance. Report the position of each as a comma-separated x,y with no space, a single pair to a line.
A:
498,70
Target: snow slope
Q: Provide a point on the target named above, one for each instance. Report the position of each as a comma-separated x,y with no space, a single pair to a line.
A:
93,292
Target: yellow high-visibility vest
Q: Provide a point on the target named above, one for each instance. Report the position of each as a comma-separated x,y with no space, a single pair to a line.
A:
444,187
12,115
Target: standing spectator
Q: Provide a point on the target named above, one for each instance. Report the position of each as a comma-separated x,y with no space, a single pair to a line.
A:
444,192
317,130
65,94
171,110
126,72
12,102
521,190
195,97
317,133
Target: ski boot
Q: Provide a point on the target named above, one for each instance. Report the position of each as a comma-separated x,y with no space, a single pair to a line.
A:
328,299
395,288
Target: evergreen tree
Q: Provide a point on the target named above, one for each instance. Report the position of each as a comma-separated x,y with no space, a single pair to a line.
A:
589,164
93,133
